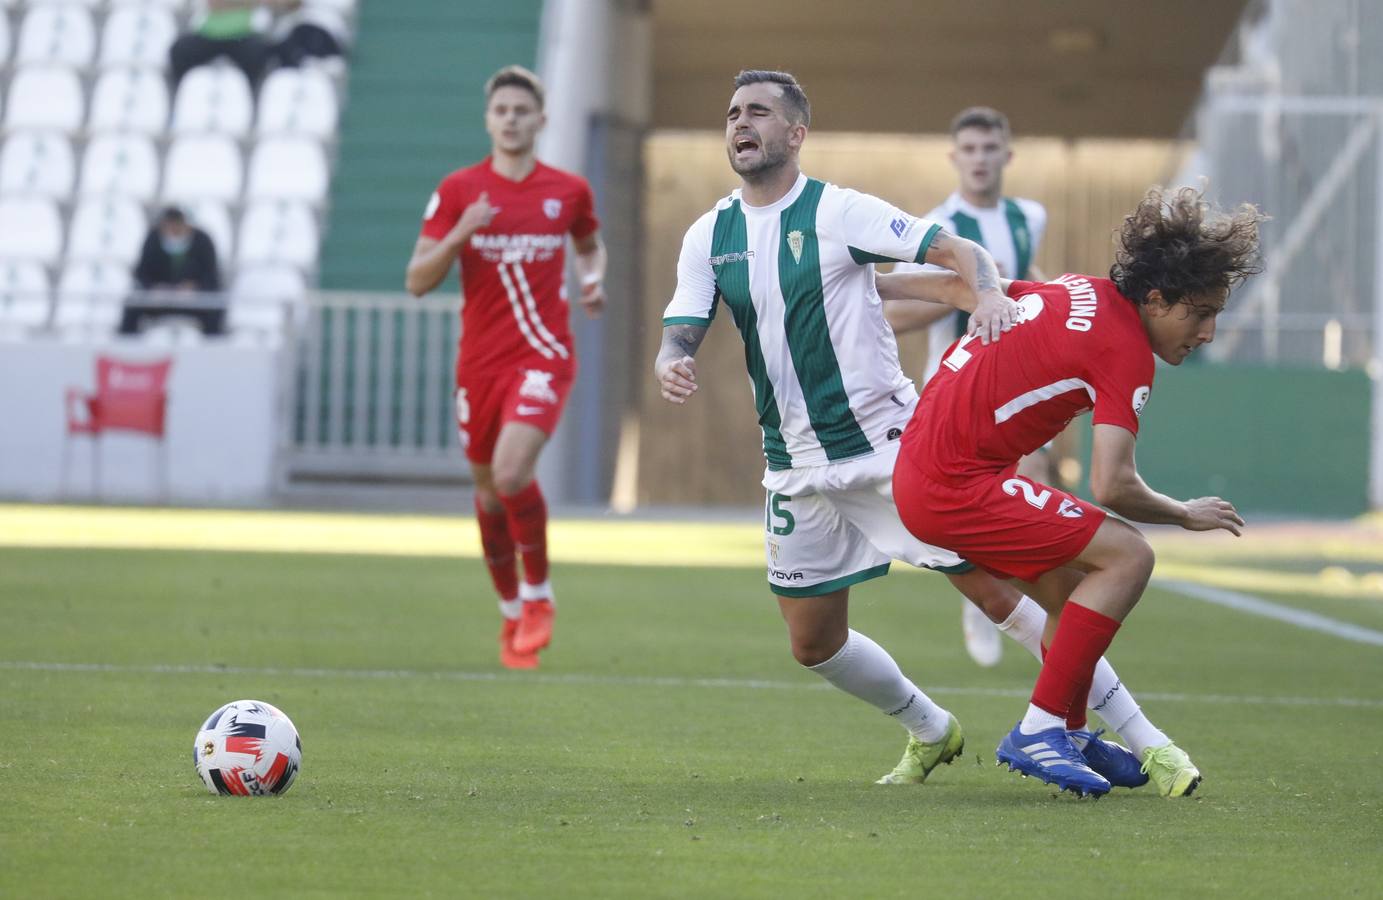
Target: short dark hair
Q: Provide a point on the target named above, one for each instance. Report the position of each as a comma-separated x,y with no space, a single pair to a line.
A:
799,109
980,117
515,76
1179,244
172,214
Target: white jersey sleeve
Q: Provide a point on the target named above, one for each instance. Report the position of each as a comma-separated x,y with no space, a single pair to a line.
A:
877,231
693,303
1036,214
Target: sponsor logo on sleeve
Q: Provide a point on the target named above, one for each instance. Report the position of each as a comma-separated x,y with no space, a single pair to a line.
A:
900,226
1140,399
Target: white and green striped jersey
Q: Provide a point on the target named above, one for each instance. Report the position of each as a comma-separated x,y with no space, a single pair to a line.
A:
798,279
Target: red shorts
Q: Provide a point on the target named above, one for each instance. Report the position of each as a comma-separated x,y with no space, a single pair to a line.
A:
533,393
1006,524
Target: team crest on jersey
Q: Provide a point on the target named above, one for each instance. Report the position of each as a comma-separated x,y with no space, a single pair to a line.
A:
795,242
1140,399
552,207
537,385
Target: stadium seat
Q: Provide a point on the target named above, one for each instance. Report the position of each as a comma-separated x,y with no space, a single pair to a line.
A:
279,231
124,164
138,36
170,5
203,167
212,217
57,33
37,162
213,99
298,101
288,169
130,100
25,298
30,229
107,228
90,298
268,283
44,97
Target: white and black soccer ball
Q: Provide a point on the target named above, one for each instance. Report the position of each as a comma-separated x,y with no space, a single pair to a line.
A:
248,749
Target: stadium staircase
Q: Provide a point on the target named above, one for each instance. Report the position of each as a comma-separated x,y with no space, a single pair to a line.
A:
415,114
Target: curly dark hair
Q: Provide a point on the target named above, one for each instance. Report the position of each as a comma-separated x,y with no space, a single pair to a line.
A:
1185,248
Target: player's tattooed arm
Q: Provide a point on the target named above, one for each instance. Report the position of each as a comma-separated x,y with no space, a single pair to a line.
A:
675,367
994,312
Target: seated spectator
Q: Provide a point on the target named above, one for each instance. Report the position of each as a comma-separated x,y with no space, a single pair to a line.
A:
177,268
315,31
227,28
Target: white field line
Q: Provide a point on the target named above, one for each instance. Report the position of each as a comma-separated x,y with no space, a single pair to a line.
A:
1291,615
659,681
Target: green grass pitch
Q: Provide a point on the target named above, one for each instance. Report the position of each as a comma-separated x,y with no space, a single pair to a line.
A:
668,747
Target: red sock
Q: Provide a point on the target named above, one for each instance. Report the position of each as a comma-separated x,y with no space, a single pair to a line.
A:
498,547
1082,637
1076,719
527,512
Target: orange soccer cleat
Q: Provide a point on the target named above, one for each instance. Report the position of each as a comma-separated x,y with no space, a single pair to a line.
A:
508,657
535,626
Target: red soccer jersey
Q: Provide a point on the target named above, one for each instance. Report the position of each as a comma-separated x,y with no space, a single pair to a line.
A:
514,305
1080,345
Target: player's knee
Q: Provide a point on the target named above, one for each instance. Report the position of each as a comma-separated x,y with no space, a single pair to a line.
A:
510,481
815,648
488,499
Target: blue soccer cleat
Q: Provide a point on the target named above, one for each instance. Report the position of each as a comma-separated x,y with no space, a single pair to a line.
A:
1115,762
1050,756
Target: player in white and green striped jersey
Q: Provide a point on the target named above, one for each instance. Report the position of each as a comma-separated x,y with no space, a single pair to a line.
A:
792,259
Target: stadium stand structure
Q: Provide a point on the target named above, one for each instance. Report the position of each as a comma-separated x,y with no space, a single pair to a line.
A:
92,145
416,113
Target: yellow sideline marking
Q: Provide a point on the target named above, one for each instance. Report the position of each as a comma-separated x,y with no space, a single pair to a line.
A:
614,542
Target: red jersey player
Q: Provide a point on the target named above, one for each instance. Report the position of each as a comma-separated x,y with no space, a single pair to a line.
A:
1082,343
507,219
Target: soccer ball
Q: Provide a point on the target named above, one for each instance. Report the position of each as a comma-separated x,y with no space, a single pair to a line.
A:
248,748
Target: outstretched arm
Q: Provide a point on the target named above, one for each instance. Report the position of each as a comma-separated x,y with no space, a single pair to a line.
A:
994,313
675,367
915,300
1116,484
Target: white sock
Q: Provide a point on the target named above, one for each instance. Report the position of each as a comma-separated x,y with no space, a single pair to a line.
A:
1115,704
863,669
536,591
1025,625
511,609
1039,719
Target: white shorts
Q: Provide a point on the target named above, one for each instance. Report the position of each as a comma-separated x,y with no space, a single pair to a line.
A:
828,527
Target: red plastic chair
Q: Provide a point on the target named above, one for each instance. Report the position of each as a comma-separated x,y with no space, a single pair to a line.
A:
129,397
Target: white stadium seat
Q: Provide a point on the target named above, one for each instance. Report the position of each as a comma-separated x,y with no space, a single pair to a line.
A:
282,231
268,284
37,162
44,97
212,217
297,101
138,36
57,33
213,99
288,168
124,164
170,5
25,297
203,167
130,100
90,297
107,228
30,229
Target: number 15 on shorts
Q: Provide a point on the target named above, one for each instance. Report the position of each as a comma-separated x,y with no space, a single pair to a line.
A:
777,518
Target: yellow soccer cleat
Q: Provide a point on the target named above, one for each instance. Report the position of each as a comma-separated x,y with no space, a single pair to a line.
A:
1171,770
920,758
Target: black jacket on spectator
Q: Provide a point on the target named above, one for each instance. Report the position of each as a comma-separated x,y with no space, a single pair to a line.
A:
198,265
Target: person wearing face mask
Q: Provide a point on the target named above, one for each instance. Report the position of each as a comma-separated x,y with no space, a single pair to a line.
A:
177,262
